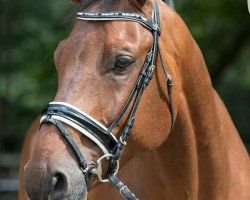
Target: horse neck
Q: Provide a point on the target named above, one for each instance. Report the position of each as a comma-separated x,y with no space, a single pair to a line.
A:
194,153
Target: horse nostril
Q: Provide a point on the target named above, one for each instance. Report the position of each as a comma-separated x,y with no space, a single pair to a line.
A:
59,185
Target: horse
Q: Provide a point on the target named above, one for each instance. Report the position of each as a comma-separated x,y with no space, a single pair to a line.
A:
135,107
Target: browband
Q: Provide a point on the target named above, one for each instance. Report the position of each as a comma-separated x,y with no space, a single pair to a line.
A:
119,16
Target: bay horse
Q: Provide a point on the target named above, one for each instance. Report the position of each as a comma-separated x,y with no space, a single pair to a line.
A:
176,141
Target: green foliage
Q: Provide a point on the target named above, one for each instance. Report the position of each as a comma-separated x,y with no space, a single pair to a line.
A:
31,30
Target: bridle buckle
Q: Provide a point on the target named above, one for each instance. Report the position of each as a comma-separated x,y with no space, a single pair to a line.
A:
98,169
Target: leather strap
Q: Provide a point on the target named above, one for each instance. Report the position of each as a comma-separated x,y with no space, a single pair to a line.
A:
73,146
143,81
122,188
104,136
137,85
170,89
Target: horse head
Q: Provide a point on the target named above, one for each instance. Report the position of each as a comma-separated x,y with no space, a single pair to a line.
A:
98,66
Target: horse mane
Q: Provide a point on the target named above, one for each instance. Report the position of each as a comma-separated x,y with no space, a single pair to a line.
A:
90,3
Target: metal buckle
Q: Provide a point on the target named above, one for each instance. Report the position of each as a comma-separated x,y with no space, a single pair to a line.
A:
98,170
85,170
151,69
123,188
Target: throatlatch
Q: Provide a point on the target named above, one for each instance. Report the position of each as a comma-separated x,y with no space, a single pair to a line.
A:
57,113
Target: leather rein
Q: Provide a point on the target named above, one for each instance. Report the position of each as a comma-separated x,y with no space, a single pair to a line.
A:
59,113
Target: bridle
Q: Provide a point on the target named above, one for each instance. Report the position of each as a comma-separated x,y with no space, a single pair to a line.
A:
59,113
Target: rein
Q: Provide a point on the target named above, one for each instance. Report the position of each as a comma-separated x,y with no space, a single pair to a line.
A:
59,113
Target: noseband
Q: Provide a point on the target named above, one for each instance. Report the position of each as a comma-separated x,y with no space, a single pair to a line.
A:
57,113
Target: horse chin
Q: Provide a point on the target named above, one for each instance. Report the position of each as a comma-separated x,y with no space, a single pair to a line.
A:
78,192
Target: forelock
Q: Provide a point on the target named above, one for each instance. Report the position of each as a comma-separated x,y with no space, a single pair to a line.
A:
101,3
104,4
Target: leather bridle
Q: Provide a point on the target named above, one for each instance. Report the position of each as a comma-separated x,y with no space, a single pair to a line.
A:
59,113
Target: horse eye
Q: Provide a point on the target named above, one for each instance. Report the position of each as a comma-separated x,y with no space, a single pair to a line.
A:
123,63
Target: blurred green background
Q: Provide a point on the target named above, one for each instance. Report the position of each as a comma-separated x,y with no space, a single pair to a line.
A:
31,30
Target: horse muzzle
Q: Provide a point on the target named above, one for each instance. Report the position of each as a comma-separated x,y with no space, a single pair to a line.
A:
45,180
